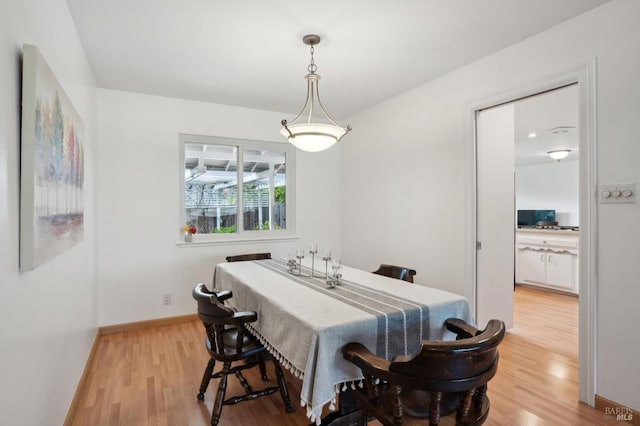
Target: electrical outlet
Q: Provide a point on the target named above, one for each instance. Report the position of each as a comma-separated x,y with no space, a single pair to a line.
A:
166,298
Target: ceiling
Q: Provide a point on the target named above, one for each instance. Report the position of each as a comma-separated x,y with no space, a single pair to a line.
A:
250,53
553,118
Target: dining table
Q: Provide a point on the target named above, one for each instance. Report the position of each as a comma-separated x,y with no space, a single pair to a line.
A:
305,318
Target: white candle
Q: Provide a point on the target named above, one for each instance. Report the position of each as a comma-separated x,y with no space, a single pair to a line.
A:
313,248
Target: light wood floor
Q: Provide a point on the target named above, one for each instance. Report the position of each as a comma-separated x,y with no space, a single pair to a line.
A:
151,377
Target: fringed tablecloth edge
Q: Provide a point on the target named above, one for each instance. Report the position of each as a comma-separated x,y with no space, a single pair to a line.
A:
284,362
315,413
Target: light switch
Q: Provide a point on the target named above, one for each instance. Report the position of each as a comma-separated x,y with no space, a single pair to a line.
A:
617,194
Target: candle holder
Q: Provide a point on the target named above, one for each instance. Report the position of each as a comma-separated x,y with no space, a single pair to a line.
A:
300,256
292,264
326,258
336,277
334,280
313,250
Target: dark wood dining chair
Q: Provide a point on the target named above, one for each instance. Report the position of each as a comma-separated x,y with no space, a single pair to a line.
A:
251,256
445,380
228,341
399,272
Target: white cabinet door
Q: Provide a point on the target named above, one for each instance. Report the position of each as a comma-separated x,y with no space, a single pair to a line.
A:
533,266
561,270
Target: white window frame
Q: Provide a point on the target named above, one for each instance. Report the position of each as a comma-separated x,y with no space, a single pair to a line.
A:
241,235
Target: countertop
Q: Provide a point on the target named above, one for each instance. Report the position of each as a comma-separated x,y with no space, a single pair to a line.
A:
548,231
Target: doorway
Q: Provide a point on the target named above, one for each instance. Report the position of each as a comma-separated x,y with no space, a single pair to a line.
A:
546,193
527,199
487,238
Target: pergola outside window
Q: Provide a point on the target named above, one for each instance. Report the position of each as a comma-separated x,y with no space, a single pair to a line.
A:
213,202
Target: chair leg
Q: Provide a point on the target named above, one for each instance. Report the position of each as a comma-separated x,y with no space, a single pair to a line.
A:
206,378
372,389
465,405
396,402
222,389
434,409
282,384
480,394
364,418
243,382
263,367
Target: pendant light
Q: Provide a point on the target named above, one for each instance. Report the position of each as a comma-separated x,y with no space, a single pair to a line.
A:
304,132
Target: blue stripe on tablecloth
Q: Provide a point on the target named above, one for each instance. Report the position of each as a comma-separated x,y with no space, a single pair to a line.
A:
398,319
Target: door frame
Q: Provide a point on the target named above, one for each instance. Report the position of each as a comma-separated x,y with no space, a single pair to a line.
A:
585,76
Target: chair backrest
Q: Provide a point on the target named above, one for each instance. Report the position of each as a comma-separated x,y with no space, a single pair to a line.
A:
452,366
399,272
251,256
218,320
210,309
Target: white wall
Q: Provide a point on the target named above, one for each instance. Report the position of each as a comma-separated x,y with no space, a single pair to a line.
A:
138,222
404,177
402,198
48,316
550,186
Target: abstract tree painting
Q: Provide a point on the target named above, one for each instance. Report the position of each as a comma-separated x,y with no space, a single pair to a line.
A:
52,166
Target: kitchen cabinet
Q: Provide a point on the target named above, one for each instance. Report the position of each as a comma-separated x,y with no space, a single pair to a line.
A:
533,265
548,259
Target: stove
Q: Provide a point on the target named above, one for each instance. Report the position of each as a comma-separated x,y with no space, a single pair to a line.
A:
551,227
557,228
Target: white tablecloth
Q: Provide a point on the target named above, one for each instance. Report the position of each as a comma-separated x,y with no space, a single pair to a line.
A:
305,324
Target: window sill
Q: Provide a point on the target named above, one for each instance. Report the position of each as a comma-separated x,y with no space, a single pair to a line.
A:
209,241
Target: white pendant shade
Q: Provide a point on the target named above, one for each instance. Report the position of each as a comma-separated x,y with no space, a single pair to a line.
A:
313,137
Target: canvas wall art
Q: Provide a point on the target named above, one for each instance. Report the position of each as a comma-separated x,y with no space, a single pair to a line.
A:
51,167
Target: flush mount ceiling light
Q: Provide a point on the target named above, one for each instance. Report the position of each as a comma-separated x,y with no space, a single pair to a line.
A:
561,129
304,132
559,154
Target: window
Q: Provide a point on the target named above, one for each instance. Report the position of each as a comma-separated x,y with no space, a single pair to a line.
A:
221,209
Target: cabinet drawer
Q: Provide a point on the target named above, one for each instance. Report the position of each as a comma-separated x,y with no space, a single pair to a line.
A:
550,242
